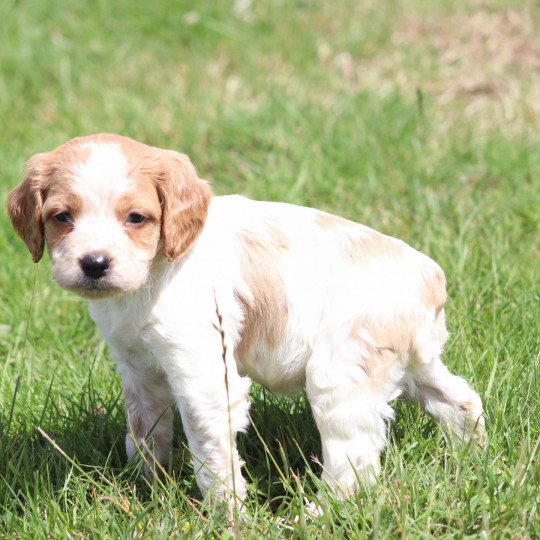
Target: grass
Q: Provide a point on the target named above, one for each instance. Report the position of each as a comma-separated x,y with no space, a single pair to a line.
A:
417,118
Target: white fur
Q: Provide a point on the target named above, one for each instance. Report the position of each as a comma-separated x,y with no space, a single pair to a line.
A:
102,176
165,335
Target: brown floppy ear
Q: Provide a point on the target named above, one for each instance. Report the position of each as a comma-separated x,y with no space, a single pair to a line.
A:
184,201
25,204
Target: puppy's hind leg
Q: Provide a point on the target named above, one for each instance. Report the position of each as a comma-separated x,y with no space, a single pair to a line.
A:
349,386
449,399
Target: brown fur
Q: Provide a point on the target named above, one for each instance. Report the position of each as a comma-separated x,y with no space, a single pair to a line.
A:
434,292
383,344
328,221
60,197
143,200
358,242
390,341
55,232
166,184
25,204
266,312
396,336
183,196
185,199
367,244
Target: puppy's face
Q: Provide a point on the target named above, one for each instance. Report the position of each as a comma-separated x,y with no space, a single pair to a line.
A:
106,206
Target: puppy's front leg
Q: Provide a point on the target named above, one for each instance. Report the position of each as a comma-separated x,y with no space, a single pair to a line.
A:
213,401
148,404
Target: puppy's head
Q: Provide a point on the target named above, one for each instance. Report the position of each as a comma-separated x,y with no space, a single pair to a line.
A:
105,206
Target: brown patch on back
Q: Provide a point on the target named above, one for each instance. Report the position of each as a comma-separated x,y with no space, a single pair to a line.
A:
266,311
328,221
358,242
279,242
369,244
434,290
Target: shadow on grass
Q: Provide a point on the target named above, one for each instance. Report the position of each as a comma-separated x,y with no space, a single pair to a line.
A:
82,437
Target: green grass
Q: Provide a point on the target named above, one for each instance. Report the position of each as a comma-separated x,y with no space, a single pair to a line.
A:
418,118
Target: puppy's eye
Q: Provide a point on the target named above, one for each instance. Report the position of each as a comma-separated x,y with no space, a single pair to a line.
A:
135,218
63,217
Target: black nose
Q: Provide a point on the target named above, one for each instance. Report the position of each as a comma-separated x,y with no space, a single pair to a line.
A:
95,266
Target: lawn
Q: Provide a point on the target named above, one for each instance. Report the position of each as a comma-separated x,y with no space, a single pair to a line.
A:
420,119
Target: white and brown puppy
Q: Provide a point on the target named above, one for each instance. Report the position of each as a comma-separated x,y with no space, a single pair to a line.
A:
307,300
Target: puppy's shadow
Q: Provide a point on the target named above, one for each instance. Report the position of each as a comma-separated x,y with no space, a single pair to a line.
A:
86,432
281,442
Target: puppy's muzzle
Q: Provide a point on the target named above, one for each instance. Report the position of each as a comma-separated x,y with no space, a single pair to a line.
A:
95,265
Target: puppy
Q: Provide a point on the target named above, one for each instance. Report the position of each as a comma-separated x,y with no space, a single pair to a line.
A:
197,295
